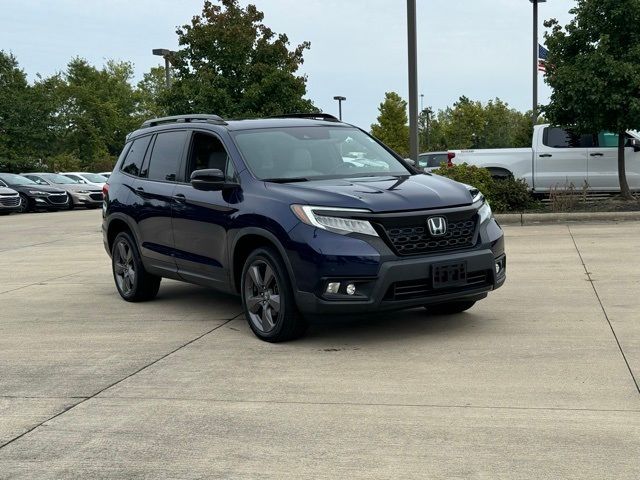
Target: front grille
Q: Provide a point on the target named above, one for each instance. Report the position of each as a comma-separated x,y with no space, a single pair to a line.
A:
57,198
96,196
411,236
12,201
410,289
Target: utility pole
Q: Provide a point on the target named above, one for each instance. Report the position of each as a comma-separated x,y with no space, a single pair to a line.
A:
166,54
340,99
535,59
412,44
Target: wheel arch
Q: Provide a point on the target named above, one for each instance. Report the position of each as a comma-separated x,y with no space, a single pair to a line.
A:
245,243
120,223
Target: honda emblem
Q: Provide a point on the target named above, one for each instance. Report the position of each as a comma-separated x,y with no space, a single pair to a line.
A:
437,226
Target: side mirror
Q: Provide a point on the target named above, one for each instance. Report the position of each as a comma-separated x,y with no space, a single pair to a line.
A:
634,143
410,162
208,179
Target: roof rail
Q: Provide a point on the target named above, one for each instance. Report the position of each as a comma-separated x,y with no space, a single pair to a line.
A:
318,115
198,117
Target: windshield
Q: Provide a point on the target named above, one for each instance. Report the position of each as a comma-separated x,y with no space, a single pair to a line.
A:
304,153
94,178
57,178
12,179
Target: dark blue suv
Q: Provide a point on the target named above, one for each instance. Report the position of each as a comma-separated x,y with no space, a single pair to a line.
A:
300,214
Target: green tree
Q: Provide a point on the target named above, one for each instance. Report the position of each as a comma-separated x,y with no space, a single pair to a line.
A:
23,111
151,90
233,65
96,109
594,70
470,124
392,128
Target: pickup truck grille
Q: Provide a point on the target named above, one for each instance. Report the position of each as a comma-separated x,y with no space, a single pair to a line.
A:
410,236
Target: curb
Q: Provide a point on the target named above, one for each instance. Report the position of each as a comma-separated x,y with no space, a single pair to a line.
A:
555,218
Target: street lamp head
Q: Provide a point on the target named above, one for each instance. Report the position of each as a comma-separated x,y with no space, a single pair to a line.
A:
537,1
162,52
339,98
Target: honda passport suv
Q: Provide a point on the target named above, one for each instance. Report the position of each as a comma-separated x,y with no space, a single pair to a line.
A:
299,214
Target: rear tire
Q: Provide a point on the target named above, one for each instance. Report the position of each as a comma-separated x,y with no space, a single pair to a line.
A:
449,308
133,282
267,298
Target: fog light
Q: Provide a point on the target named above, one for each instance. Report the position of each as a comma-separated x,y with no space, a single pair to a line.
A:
351,289
497,268
333,287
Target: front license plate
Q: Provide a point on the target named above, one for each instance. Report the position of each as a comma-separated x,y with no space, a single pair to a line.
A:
447,275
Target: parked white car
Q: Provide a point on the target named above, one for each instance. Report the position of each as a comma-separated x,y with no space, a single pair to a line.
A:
87,178
10,201
559,158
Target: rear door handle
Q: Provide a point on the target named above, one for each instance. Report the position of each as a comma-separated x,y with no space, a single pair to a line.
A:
597,154
140,189
180,198
546,155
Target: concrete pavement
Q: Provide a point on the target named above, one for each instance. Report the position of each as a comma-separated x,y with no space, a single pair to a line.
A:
537,381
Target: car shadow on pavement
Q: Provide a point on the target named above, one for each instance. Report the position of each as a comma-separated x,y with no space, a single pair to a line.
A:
391,326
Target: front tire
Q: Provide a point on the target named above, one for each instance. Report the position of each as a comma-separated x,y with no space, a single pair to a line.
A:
133,282
25,204
450,308
267,298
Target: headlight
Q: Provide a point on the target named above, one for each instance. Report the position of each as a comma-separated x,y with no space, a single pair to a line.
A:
38,192
315,216
484,210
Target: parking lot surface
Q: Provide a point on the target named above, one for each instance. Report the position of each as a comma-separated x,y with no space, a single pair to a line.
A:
537,381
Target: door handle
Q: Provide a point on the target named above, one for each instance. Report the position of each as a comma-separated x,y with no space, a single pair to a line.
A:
180,198
546,155
140,189
597,154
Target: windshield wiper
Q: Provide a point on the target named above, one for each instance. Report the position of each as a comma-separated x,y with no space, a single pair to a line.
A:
286,180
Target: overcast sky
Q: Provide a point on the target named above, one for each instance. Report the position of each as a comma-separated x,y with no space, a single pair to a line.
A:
477,48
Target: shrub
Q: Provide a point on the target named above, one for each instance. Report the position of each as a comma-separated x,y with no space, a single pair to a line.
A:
64,162
504,195
20,165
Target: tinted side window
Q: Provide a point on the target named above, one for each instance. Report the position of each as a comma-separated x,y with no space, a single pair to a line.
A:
166,156
561,138
607,140
207,151
432,160
132,163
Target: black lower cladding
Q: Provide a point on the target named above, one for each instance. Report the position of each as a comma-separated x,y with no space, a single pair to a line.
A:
410,235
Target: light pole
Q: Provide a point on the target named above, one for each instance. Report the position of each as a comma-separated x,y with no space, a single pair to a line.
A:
412,44
535,59
166,54
340,99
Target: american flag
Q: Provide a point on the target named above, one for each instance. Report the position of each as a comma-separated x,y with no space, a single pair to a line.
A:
543,53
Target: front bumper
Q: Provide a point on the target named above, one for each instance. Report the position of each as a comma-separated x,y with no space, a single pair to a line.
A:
384,280
51,202
87,199
407,283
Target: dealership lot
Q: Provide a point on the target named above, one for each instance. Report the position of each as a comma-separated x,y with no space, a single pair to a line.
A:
537,381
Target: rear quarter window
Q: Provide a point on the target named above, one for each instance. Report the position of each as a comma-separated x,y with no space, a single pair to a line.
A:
133,157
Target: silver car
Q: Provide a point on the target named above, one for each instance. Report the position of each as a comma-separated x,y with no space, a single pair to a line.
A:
10,200
81,194
92,179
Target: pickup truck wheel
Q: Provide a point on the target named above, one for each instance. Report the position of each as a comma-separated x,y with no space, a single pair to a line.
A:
267,298
133,282
449,308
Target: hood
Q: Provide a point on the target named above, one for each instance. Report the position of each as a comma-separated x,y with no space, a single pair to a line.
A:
7,191
79,187
378,194
41,188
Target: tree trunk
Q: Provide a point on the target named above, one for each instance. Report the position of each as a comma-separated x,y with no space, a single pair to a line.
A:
622,174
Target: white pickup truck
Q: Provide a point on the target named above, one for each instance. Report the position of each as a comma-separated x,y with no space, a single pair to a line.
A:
559,158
